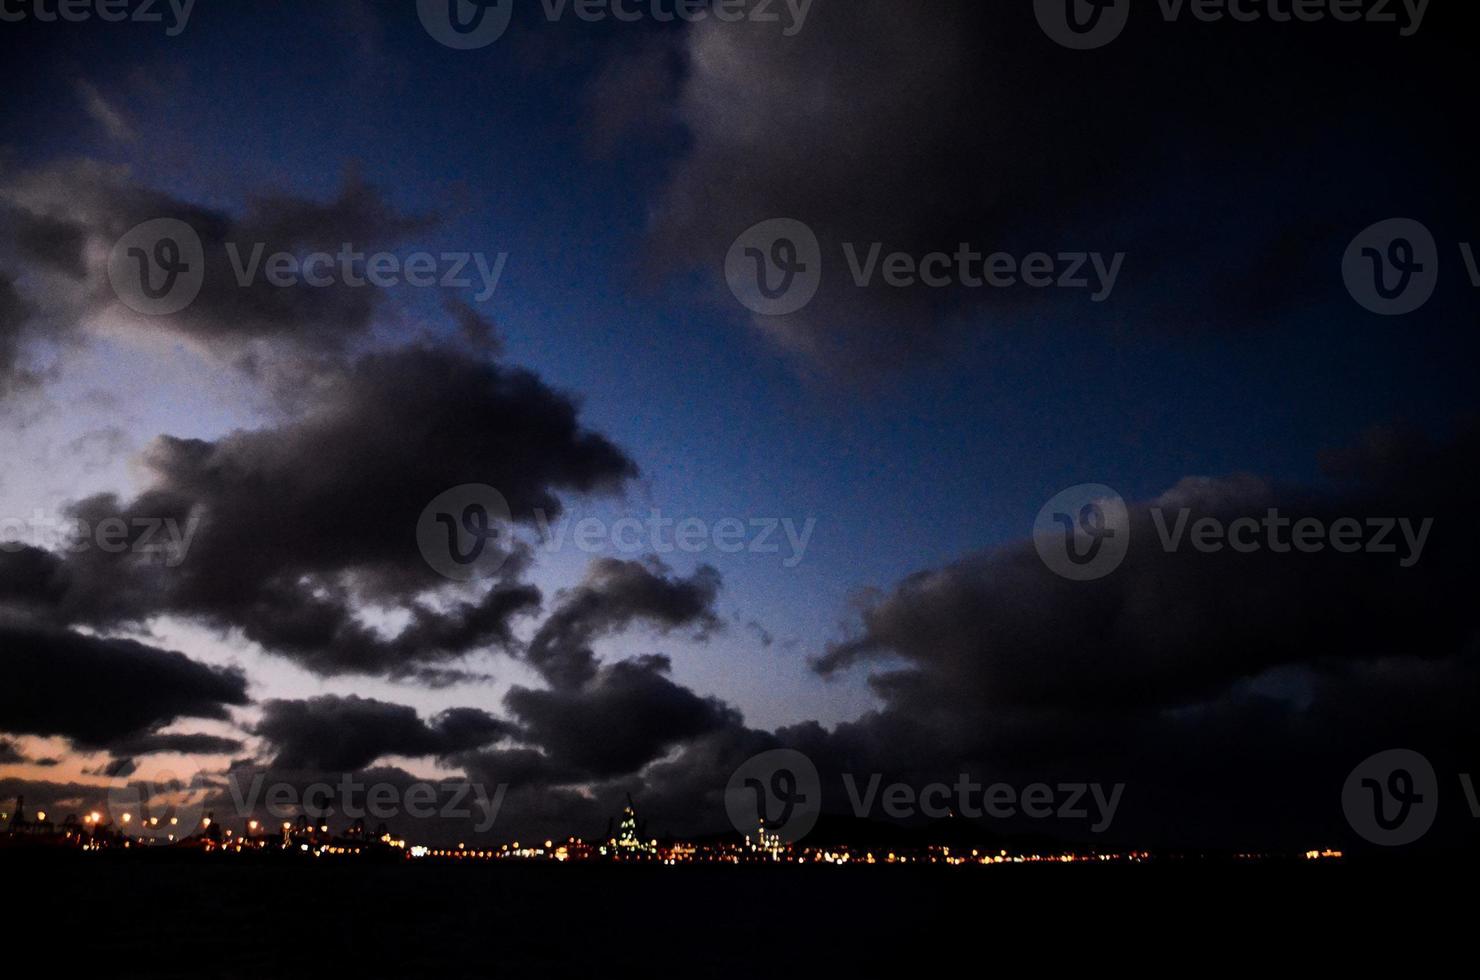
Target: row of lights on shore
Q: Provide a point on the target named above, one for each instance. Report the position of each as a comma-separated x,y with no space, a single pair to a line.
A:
94,820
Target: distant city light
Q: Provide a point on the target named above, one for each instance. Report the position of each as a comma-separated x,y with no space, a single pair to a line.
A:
627,844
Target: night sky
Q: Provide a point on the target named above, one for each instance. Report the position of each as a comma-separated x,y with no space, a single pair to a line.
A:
907,437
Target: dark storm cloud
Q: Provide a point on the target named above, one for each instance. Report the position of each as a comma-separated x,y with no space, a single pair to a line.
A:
523,769
678,791
51,242
997,629
33,582
65,219
342,734
1214,681
9,754
127,752
186,743
629,714
960,121
1231,694
683,797
100,692
14,317
299,526
615,595
662,744
601,721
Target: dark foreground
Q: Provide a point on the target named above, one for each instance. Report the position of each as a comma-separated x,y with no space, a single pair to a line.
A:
224,919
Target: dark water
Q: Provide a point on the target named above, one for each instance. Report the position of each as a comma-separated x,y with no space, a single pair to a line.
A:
225,919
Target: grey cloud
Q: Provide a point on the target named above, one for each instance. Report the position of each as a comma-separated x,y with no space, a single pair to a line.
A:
297,525
100,692
342,734
615,595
